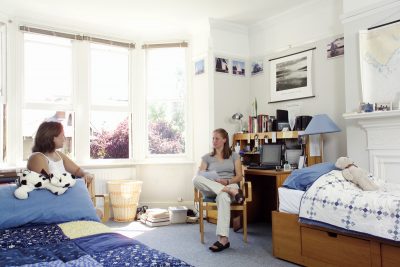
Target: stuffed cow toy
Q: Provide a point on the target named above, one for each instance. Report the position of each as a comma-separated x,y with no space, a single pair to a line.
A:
56,183
355,174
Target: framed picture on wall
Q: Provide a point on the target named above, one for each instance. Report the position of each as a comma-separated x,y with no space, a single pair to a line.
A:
238,67
257,67
221,65
291,76
335,48
199,67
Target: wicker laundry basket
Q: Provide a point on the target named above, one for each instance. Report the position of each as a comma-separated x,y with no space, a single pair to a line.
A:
124,198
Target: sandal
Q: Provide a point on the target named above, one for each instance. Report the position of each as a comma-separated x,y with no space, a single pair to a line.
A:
239,197
219,246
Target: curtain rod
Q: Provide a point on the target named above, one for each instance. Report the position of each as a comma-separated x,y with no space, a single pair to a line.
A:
164,45
76,37
293,54
384,24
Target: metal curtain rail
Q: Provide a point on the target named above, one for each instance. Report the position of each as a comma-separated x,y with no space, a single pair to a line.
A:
384,24
51,33
292,54
76,37
164,45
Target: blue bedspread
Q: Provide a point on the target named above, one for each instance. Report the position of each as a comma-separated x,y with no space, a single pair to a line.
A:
47,245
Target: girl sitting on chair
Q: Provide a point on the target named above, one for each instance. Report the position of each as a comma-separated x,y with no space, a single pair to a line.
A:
225,189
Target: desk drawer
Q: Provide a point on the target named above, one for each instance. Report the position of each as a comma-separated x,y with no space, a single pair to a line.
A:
335,249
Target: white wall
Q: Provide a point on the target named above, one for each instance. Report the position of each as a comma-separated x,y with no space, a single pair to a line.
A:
360,6
312,25
231,92
360,17
203,110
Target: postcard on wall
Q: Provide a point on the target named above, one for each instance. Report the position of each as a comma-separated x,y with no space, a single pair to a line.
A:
199,67
335,48
238,67
221,65
257,67
291,77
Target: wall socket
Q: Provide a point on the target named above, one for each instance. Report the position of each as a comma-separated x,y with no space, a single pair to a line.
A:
180,199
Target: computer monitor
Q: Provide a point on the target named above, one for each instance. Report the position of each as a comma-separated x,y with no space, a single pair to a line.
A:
271,154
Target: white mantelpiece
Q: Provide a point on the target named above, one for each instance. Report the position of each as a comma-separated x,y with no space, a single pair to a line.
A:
383,142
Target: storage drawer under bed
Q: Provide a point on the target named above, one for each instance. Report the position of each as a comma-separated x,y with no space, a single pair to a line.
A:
335,249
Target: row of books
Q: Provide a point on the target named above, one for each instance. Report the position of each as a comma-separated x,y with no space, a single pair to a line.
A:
8,176
259,123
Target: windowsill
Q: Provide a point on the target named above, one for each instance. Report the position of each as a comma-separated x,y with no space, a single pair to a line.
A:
99,164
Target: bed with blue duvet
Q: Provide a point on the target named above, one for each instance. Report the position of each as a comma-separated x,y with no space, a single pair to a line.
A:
50,230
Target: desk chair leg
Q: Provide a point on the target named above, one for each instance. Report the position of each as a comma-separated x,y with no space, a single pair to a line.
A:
201,221
245,222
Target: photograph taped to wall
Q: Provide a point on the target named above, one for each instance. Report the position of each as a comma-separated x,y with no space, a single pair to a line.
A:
221,65
199,67
335,48
238,67
257,67
291,77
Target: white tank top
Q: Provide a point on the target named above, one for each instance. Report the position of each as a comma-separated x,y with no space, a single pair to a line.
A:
55,166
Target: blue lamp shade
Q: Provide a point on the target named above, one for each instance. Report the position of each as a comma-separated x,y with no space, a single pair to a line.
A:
321,124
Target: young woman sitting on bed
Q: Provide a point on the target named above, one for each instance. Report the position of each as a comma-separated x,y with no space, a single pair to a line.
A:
50,137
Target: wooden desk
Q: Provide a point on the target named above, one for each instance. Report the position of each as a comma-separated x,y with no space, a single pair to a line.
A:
265,185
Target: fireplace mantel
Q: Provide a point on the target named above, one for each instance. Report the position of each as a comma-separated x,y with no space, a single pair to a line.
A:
383,142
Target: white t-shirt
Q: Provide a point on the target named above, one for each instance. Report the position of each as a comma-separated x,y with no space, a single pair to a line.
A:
55,166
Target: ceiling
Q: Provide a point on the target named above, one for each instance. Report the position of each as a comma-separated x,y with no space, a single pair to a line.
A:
129,18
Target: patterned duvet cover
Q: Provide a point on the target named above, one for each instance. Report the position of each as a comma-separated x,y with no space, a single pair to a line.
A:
79,243
335,201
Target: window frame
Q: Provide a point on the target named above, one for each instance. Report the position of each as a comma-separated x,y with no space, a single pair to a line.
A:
114,108
3,86
188,139
137,109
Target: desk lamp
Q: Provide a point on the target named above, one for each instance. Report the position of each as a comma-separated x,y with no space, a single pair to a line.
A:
321,124
238,117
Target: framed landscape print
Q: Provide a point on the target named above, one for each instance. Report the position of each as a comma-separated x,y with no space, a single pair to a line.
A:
291,77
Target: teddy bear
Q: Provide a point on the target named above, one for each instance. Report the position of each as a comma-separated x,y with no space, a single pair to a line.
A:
355,174
56,183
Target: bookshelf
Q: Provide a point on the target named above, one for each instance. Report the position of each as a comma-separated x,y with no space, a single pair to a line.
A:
248,139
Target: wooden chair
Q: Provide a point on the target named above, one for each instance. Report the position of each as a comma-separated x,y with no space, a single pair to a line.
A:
208,204
105,214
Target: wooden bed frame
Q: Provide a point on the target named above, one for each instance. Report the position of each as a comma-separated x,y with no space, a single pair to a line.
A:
317,246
